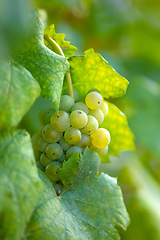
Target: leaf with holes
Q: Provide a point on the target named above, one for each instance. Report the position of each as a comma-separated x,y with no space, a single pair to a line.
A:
20,186
88,207
93,71
46,67
67,49
122,137
18,91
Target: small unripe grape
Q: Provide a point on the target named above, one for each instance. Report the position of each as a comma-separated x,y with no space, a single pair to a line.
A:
104,108
72,135
65,145
42,144
72,151
51,170
84,142
91,125
50,135
58,188
75,93
98,114
44,160
48,116
102,151
62,158
42,114
54,151
60,121
94,100
78,119
40,166
80,106
66,103
35,139
100,138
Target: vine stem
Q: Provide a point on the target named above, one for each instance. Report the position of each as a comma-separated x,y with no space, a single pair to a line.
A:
58,50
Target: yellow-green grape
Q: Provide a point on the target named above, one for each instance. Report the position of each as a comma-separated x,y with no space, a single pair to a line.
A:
54,151
75,93
48,115
98,114
58,188
44,160
72,151
40,166
42,144
80,106
60,121
100,138
84,142
52,170
66,103
65,145
94,100
42,114
102,151
78,119
72,135
91,125
104,108
50,135
62,158
35,139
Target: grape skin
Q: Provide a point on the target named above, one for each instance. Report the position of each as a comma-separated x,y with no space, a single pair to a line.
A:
51,170
72,135
66,103
80,106
93,100
104,108
78,119
91,126
100,138
72,151
44,160
54,151
42,145
60,121
98,114
50,135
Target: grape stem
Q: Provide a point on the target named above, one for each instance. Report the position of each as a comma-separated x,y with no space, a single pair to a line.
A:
57,49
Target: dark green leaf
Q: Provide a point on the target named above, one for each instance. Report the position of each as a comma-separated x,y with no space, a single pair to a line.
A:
67,49
93,71
46,67
122,137
20,186
18,91
88,208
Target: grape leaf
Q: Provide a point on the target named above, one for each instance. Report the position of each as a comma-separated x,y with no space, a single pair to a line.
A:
46,67
122,137
88,208
93,71
20,185
67,49
18,91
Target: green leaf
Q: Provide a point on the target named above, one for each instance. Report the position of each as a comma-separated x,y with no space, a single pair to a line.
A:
67,49
18,91
122,137
46,67
20,186
93,71
88,208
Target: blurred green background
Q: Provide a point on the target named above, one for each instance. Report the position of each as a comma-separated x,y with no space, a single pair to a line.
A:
127,34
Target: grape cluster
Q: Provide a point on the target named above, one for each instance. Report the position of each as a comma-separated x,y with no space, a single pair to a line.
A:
74,127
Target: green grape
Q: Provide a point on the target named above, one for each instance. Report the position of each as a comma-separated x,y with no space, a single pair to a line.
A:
54,151
51,170
72,151
48,115
35,139
80,106
60,121
42,114
100,138
75,93
40,166
102,151
50,135
104,108
91,125
44,160
62,158
66,103
72,135
98,114
84,142
58,188
42,144
78,119
94,100
65,145
37,154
